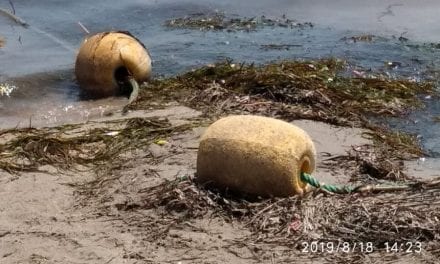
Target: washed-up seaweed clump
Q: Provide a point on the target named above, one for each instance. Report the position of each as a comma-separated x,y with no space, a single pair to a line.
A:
407,216
267,47
64,148
2,42
368,38
219,21
317,90
312,85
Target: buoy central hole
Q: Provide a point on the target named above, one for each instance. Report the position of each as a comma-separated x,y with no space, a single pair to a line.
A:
305,167
121,76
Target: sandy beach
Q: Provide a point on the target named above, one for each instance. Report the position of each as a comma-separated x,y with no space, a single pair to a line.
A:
73,216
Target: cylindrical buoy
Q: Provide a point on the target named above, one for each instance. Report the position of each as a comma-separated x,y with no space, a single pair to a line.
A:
105,60
255,155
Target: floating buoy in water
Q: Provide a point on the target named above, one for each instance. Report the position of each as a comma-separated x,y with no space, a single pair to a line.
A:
107,61
255,155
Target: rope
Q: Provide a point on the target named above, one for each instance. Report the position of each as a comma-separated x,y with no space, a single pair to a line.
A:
305,177
15,18
24,24
134,89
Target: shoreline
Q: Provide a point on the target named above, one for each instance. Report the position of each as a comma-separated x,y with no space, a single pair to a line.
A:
119,188
61,212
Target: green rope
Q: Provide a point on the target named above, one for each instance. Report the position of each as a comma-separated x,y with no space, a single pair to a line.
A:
307,178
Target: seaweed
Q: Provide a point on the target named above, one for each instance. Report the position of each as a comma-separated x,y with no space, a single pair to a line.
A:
64,148
362,38
284,224
219,21
267,47
2,42
311,84
317,90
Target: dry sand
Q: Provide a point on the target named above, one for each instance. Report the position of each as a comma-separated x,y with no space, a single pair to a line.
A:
44,218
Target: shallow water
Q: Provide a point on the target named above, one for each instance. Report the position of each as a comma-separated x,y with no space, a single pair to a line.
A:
39,60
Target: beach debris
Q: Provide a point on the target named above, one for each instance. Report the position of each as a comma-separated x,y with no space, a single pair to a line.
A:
2,41
361,38
296,88
360,74
219,21
434,45
6,89
393,64
299,90
160,142
111,63
256,155
425,47
14,17
436,118
279,46
63,148
83,28
112,133
403,39
404,215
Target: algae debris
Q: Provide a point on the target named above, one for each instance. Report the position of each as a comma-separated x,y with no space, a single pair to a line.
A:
65,148
318,90
219,21
318,86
